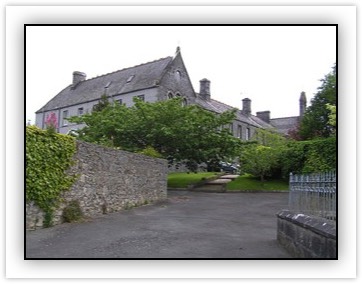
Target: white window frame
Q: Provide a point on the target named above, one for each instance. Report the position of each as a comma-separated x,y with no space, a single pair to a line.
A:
247,133
65,116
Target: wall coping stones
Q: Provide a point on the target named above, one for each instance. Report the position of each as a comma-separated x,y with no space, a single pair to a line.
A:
321,226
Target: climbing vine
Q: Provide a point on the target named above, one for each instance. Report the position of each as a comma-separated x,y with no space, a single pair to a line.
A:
48,156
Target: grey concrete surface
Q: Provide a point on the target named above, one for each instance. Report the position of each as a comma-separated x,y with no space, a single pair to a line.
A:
187,225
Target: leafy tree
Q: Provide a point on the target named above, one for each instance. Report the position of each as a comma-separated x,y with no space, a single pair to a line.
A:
179,133
259,160
103,103
332,115
261,157
315,122
269,138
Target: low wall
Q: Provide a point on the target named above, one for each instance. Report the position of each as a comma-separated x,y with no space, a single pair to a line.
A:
306,236
109,180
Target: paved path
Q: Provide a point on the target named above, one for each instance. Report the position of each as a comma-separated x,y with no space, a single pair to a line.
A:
187,225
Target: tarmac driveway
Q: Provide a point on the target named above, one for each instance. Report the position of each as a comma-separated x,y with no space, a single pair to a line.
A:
186,225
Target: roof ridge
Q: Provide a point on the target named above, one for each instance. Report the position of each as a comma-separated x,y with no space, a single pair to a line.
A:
284,117
138,65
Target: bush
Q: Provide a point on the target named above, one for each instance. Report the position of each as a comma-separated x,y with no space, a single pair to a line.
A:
72,212
151,152
309,156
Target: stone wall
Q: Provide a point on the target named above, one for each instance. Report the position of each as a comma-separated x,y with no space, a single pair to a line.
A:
108,181
306,236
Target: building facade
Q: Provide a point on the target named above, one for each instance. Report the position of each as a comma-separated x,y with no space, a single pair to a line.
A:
158,80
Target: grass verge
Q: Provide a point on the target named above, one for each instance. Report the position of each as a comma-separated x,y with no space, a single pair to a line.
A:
183,180
249,183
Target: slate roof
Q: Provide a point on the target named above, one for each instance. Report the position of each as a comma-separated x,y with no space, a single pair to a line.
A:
219,107
284,124
147,75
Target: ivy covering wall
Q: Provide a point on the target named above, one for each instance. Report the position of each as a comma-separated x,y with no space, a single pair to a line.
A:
48,156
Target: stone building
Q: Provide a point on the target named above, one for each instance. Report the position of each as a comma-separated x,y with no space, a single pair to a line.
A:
286,124
158,80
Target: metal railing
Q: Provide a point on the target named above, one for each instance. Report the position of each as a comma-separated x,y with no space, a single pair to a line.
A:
313,194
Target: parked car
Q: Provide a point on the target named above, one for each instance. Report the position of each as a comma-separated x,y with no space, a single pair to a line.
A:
228,167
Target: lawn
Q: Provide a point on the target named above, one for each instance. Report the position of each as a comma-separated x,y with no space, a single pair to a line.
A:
249,183
182,180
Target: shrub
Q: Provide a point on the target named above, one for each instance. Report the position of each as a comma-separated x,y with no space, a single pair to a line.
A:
72,212
309,156
151,152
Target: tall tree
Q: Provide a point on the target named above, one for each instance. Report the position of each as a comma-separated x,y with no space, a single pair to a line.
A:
315,122
179,133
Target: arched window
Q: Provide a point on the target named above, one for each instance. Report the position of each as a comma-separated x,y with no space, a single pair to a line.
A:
184,102
169,95
178,75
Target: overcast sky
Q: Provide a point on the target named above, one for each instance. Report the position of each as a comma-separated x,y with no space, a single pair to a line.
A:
271,65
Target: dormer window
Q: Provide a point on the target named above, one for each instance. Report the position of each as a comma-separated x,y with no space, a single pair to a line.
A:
130,78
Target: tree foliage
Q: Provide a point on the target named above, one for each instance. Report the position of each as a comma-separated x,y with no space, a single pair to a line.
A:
178,133
271,155
103,103
261,158
332,115
315,122
317,155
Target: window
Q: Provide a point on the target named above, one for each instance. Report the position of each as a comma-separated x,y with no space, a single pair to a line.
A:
169,95
239,131
130,78
247,136
184,102
119,101
141,97
80,111
231,128
65,116
178,75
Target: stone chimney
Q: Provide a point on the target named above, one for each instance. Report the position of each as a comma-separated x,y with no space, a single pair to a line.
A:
78,77
302,104
205,89
264,115
246,107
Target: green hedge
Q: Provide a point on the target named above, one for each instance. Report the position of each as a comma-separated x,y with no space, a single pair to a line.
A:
48,156
309,156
